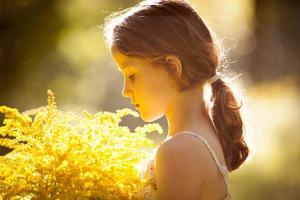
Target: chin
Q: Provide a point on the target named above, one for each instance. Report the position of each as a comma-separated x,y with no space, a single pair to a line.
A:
151,117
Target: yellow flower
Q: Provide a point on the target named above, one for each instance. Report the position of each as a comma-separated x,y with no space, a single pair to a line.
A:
60,155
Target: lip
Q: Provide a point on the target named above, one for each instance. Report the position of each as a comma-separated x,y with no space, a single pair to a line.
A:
136,106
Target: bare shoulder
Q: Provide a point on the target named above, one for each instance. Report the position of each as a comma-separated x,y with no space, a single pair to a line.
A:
185,153
183,145
180,168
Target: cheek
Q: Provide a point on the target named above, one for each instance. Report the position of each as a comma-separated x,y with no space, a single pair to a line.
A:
155,94
155,104
158,92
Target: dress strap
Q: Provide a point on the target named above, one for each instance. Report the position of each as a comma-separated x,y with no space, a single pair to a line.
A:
222,168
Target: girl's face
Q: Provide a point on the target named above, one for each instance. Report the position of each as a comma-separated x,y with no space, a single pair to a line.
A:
149,86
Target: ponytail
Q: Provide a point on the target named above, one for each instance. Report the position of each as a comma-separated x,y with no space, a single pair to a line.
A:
192,42
226,117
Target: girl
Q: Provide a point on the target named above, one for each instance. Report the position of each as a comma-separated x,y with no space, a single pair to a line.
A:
167,55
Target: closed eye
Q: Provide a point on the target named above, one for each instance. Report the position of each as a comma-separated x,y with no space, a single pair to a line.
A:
131,77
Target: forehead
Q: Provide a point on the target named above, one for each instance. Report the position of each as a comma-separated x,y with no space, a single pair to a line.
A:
125,62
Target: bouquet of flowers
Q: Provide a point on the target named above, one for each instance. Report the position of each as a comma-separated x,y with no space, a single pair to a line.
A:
60,155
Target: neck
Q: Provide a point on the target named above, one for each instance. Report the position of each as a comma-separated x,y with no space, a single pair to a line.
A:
187,112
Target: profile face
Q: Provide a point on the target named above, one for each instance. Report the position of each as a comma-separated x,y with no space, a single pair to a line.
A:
149,86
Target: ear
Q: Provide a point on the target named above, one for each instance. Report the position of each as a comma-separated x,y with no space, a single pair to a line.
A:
175,63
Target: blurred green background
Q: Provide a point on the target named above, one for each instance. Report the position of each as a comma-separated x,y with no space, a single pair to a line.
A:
57,45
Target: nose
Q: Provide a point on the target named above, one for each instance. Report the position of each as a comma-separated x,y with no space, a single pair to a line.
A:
126,91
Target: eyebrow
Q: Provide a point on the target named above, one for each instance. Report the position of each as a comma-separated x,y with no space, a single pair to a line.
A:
126,67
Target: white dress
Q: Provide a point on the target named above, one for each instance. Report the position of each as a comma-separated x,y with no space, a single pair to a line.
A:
149,191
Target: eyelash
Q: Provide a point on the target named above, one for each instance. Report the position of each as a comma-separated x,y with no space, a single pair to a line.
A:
131,76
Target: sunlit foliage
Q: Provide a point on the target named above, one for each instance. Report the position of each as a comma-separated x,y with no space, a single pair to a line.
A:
60,155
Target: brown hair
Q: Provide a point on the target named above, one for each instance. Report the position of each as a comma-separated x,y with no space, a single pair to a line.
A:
155,28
